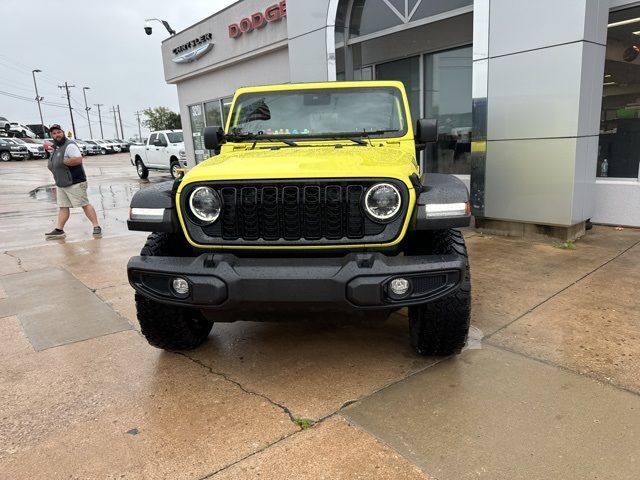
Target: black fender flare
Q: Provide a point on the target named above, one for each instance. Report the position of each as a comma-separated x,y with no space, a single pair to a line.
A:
152,209
440,189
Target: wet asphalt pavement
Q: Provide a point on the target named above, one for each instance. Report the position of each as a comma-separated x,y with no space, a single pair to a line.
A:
548,388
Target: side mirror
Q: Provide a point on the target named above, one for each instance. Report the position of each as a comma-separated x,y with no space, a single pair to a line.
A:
426,130
213,138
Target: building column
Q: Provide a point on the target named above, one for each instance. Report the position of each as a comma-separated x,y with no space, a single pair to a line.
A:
311,36
538,73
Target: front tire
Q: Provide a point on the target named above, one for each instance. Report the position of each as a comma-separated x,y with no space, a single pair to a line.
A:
165,326
441,327
174,169
5,156
143,172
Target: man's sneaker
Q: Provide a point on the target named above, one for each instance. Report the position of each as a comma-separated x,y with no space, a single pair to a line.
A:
97,232
55,233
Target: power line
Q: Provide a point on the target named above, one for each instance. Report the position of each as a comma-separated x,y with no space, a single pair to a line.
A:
29,99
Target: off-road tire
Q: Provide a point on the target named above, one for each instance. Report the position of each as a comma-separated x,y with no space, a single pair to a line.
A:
5,156
141,170
165,326
173,167
441,327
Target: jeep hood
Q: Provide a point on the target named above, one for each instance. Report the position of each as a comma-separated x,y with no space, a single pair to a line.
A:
306,162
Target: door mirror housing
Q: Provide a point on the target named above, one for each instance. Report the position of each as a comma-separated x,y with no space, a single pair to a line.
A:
213,138
426,131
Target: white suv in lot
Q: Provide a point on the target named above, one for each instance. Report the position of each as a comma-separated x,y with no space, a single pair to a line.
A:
24,131
5,124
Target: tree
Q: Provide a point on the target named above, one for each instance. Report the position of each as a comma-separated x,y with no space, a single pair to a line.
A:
161,118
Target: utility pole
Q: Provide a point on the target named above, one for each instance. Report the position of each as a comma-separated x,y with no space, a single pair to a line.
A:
139,131
121,130
115,122
100,118
67,87
86,109
38,99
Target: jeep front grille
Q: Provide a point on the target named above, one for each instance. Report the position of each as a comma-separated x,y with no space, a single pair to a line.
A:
320,212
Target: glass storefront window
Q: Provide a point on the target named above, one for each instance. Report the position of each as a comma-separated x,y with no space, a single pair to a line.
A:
407,71
447,98
226,108
619,149
196,115
213,114
370,16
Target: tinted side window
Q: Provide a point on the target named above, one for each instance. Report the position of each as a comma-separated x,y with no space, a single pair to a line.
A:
152,138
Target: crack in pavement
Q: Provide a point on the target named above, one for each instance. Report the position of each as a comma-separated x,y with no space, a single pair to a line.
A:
239,385
285,409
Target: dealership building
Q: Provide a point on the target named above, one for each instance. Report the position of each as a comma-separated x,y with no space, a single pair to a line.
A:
538,103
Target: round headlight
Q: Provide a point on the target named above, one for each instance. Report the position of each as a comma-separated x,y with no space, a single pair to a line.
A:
382,201
205,204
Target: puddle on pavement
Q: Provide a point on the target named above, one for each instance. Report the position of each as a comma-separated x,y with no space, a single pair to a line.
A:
474,340
102,196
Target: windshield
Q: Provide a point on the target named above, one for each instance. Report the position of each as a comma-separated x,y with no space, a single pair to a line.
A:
175,137
317,113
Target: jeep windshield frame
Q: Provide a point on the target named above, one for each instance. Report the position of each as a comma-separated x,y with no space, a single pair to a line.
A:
316,114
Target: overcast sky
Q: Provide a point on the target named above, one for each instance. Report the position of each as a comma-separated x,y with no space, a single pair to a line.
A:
89,43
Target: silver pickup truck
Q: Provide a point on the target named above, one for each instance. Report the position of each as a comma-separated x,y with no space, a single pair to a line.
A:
164,150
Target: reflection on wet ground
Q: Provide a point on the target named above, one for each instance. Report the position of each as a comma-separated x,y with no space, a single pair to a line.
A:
102,196
28,200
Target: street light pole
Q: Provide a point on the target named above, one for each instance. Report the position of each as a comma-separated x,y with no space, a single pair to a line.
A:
86,109
100,118
38,98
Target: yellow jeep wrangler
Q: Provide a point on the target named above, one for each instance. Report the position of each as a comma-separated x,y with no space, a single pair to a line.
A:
314,203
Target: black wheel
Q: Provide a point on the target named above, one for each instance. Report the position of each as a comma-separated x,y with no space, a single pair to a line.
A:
7,127
5,156
143,172
165,326
174,169
441,327
103,151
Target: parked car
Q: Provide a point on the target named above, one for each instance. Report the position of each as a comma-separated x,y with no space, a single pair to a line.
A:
22,130
124,146
82,146
12,151
92,147
37,129
46,143
5,124
115,145
163,151
104,146
35,149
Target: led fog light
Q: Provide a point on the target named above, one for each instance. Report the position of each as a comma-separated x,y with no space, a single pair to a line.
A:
180,286
399,287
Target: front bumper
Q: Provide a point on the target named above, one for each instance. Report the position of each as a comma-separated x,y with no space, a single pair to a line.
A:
356,281
20,154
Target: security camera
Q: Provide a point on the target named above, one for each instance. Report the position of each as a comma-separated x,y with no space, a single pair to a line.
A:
147,28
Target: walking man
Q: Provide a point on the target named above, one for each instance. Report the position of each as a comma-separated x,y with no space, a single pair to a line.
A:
65,163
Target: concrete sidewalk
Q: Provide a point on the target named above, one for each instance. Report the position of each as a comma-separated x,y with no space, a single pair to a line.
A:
549,389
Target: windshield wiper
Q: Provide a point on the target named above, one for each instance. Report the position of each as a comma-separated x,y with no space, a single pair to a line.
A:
251,136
